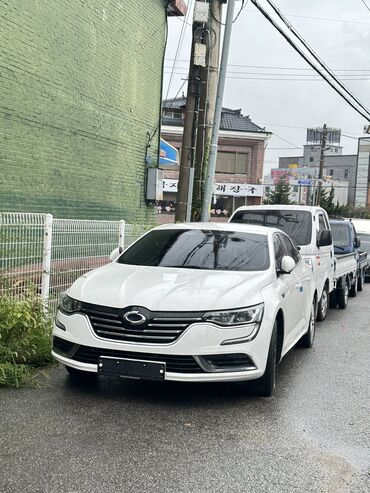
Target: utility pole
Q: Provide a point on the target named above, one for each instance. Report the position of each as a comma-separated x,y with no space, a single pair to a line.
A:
186,174
208,82
209,184
322,158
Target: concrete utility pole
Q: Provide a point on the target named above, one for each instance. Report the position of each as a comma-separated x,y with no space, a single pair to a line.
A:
186,174
322,158
209,184
208,82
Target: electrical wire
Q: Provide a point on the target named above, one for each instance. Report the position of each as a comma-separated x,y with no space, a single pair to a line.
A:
235,18
325,19
366,5
279,68
304,56
179,46
315,55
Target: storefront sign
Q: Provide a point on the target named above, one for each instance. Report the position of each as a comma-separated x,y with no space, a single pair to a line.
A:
238,190
225,189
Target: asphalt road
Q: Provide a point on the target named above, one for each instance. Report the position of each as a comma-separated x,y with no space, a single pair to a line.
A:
312,436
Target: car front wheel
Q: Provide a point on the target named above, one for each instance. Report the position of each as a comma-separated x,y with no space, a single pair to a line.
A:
308,337
322,308
265,385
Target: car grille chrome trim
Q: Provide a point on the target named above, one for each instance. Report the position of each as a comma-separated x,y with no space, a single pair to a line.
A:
159,327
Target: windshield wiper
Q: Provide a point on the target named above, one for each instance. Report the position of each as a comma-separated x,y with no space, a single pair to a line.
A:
187,267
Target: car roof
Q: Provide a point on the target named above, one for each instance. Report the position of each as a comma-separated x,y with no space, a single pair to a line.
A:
213,226
309,208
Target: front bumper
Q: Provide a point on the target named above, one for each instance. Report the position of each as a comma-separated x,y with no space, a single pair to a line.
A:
185,358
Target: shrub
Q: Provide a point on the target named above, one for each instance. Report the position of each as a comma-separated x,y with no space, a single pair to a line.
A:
25,338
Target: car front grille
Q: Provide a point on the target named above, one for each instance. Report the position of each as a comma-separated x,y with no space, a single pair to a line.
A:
159,327
174,363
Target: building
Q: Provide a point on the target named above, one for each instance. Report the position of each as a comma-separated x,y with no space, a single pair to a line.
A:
362,198
341,168
80,91
240,158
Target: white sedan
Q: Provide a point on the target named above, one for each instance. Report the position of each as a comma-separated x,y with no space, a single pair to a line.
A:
198,302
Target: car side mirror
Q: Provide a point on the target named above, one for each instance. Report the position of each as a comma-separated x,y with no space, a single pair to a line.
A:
324,238
115,254
357,242
287,264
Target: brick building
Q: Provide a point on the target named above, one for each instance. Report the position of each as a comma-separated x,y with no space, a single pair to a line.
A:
80,90
240,157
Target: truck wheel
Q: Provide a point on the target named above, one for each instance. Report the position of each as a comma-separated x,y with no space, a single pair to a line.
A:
361,280
265,385
322,308
342,296
353,289
307,339
333,299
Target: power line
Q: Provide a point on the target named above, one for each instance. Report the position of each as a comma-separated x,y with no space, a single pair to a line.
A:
280,68
366,5
365,115
315,56
328,19
322,79
179,45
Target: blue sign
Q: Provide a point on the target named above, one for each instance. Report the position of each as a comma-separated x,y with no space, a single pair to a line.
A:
168,154
305,182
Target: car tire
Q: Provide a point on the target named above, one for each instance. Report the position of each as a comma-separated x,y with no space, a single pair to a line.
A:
361,280
353,289
308,337
342,296
76,374
333,299
322,307
265,385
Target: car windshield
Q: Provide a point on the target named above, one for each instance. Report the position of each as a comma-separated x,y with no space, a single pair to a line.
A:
341,236
200,249
296,224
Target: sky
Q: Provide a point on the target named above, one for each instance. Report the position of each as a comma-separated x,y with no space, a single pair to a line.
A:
338,31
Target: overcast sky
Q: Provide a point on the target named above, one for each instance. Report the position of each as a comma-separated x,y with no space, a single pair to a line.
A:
338,30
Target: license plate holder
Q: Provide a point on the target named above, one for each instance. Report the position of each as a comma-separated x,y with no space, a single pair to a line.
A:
132,369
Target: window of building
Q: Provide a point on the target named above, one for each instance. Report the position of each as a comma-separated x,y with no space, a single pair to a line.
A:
331,172
233,162
346,172
311,159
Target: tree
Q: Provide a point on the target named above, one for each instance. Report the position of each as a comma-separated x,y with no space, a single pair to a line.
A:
327,201
281,194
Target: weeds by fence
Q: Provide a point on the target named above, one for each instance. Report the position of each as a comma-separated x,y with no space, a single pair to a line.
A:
52,253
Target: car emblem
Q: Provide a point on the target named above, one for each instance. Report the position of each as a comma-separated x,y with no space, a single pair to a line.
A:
134,318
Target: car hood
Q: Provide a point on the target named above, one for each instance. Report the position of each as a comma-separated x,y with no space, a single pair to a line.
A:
169,289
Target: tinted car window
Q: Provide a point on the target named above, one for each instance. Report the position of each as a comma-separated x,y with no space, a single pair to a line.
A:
365,242
296,224
291,250
341,236
199,249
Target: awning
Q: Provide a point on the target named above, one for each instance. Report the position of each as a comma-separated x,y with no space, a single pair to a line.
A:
168,154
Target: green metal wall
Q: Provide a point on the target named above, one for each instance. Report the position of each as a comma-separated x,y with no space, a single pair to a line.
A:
80,87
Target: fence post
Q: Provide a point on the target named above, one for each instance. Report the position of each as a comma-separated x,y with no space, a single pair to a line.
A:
122,225
46,259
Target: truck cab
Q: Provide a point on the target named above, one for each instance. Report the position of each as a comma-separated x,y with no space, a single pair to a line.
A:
309,228
347,242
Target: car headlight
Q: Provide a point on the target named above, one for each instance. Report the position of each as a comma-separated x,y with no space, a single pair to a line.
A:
68,304
241,316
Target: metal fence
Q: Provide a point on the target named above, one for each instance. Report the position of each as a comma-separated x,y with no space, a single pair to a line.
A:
50,254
